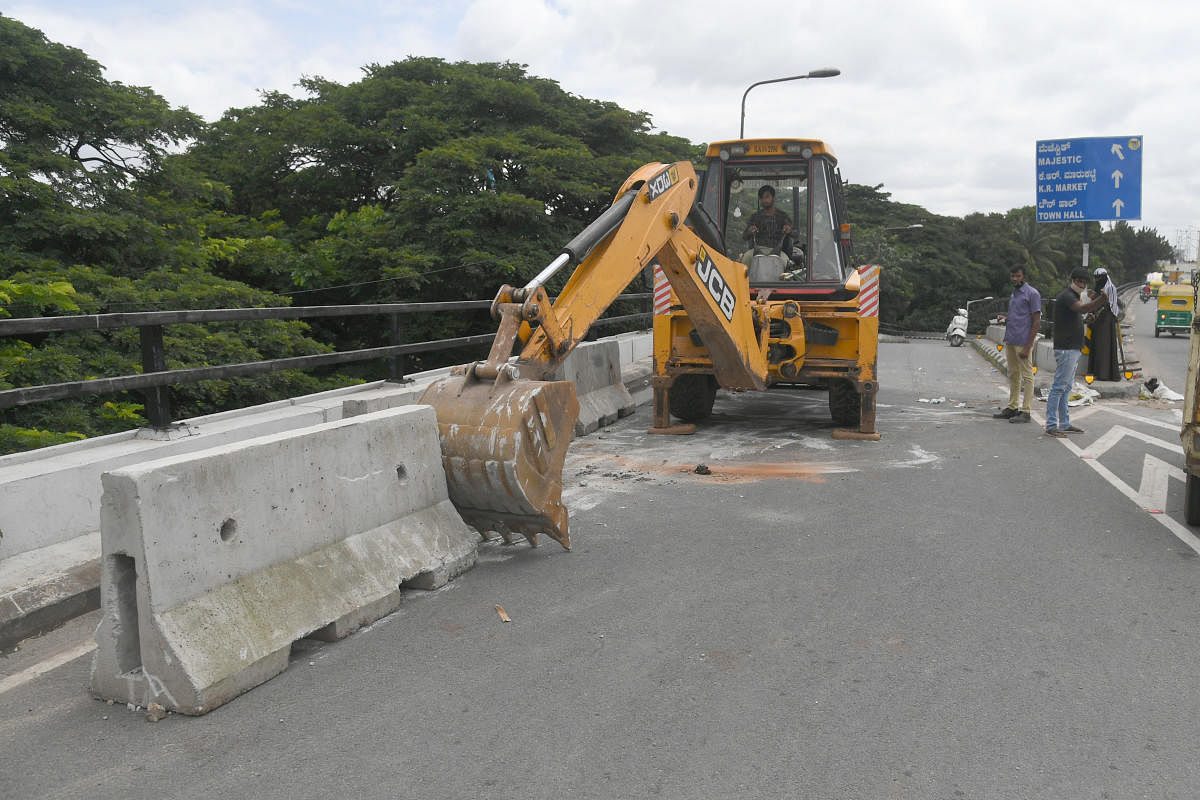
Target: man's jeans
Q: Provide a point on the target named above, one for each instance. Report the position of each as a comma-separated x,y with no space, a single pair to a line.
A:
1057,413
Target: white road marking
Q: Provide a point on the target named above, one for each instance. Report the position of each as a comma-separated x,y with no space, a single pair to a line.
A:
1156,473
1151,495
1145,421
1118,432
41,668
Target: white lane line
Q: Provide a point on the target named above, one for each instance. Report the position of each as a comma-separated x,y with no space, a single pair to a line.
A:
1118,432
1170,426
1181,532
1156,474
42,667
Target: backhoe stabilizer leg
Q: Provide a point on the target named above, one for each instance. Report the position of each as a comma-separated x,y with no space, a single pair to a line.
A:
866,418
662,412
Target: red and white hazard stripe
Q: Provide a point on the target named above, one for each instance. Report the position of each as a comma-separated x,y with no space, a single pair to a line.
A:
868,292
662,291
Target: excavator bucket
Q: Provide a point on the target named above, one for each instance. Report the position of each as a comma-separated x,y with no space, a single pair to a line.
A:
503,447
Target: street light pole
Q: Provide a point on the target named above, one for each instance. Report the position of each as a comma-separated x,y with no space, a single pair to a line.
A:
816,73
905,227
980,300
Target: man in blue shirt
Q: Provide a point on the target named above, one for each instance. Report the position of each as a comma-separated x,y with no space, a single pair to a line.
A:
1068,341
1020,331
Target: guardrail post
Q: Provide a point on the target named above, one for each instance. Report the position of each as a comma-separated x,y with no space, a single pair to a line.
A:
396,374
154,359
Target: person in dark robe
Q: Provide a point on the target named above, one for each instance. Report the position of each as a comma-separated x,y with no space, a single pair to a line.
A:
1102,352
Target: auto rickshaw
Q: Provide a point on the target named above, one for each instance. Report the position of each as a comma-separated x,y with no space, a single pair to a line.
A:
1176,302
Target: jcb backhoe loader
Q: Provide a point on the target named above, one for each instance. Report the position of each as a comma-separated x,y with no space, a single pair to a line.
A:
742,314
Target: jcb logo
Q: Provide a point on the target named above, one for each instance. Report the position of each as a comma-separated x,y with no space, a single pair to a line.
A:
718,287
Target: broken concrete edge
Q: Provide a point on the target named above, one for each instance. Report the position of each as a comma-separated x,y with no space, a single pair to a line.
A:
306,533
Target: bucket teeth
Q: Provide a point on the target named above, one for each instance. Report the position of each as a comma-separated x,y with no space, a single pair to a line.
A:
503,449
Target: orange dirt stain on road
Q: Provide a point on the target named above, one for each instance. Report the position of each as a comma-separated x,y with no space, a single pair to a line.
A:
725,472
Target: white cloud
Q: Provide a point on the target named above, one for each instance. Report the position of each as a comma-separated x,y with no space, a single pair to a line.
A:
941,101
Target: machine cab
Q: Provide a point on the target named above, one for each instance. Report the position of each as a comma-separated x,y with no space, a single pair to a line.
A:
777,206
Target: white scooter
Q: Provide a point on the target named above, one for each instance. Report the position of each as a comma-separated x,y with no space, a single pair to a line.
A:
956,331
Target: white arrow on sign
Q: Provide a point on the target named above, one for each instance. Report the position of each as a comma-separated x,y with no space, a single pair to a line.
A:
1117,151
1116,176
1117,206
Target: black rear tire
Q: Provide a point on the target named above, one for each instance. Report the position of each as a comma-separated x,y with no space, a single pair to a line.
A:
1191,500
845,404
955,340
691,397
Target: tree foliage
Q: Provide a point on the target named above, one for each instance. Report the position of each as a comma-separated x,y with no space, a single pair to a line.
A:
932,270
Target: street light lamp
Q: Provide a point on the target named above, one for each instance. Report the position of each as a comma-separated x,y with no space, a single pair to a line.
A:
816,73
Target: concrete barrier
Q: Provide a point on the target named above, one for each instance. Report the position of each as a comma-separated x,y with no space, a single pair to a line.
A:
50,498
595,369
214,562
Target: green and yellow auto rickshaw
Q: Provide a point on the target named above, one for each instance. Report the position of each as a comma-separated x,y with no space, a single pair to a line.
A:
1176,302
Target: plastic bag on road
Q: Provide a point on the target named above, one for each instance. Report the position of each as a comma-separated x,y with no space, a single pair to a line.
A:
1081,394
1154,389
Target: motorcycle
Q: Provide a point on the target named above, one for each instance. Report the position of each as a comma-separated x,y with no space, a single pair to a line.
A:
1147,293
956,331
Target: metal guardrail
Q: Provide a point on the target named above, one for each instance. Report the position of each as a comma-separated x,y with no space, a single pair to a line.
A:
155,377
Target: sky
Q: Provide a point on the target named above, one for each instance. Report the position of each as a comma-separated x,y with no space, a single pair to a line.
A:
941,102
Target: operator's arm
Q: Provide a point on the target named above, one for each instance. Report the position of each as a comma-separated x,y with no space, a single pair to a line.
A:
751,227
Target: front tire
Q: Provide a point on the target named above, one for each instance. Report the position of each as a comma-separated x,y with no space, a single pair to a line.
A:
845,404
691,397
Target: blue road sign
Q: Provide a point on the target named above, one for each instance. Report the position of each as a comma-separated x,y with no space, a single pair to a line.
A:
1098,178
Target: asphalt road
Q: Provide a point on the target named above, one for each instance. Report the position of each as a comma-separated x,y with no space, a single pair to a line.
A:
1164,357
964,609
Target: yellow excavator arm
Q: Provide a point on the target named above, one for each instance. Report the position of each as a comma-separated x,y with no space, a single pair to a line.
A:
505,428
714,290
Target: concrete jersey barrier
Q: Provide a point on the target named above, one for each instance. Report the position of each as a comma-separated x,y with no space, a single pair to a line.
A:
214,562
595,369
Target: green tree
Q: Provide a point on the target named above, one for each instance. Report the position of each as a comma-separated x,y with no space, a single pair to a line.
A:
1038,246
71,146
424,180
